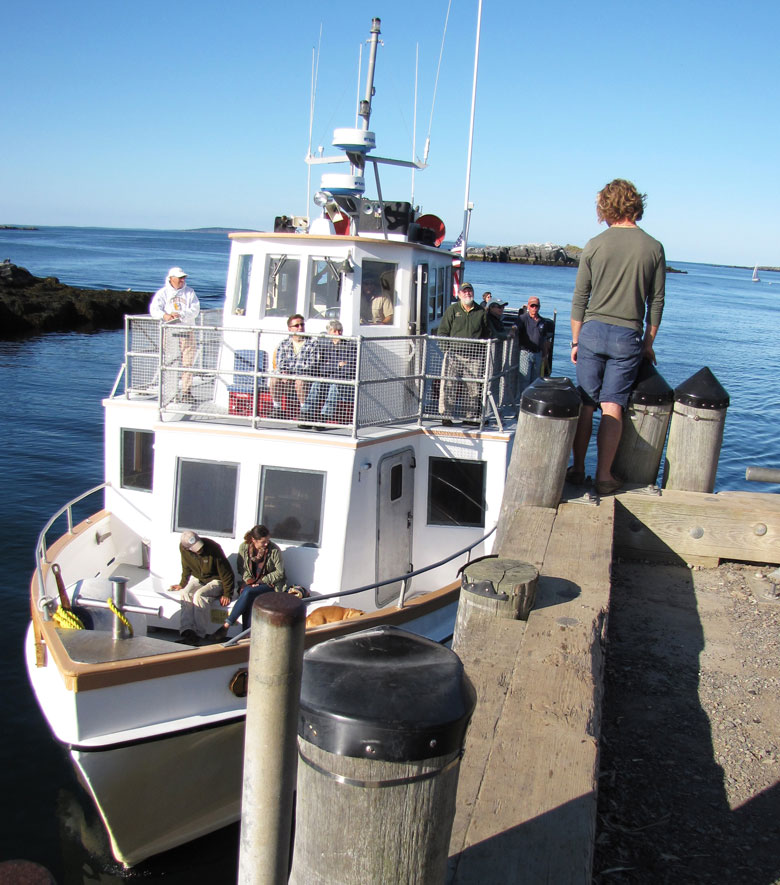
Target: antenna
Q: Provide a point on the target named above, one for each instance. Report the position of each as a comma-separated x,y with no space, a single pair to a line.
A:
315,67
469,206
414,123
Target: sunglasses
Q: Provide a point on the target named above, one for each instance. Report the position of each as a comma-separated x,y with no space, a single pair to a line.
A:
295,326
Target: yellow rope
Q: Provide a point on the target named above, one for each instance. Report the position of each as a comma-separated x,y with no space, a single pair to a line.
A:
65,619
119,614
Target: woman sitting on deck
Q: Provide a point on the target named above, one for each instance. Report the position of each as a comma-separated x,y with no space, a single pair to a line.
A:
262,570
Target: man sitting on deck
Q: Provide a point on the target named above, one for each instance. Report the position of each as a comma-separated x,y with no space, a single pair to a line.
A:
205,576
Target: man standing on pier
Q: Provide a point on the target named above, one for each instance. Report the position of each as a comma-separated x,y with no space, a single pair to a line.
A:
619,290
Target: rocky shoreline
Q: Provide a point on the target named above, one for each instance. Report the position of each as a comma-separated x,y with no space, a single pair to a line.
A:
547,254
30,305
529,253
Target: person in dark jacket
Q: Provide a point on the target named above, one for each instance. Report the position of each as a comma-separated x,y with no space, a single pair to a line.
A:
459,398
206,575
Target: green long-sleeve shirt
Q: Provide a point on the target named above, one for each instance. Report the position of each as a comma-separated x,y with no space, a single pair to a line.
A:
459,323
206,565
621,279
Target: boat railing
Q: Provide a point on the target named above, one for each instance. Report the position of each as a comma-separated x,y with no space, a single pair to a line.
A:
212,372
41,555
403,578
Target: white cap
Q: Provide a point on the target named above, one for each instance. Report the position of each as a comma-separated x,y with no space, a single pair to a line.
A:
176,272
191,541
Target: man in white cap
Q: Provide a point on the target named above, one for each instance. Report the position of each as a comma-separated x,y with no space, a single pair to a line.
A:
177,303
205,575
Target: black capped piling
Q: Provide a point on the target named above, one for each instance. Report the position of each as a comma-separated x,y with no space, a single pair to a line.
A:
546,424
383,715
696,433
645,425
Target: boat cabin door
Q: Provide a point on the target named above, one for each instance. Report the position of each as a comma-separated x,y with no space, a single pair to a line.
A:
395,521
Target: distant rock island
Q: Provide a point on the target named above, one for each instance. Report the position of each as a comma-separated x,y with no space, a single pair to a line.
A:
529,253
534,253
16,227
30,305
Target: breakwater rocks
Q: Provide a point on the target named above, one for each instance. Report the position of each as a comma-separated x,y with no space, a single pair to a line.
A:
530,253
30,305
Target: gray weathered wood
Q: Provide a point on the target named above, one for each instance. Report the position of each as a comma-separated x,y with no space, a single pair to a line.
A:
696,527
641,446
526,806
537,469
274,684
695,438
349,834
510,578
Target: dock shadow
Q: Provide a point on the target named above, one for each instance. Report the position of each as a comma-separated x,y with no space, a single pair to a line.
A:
663,810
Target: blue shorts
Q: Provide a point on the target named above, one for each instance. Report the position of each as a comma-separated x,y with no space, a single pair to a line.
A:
608,360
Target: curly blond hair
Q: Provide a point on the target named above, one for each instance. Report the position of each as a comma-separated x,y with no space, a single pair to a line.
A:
620,201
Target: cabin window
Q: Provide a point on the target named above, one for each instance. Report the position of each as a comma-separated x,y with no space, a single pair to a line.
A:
456,492
441,289
206,497
396,482
432,293
324,289
281,293
243,278
291,504
377,293
137,468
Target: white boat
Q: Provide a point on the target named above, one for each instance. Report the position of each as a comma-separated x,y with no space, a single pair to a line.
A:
382,498
756,277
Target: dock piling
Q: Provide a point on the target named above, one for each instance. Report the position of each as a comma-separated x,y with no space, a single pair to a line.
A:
275,663
638,457
380,735
546,424
695,433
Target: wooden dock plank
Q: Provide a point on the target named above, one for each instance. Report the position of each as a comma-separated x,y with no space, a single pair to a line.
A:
532,757
696,526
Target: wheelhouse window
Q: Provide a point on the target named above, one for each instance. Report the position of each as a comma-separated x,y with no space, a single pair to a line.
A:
291,504
442,301
324,296
432,274
377,293
243,279
206,497
456,492
137,460
281,293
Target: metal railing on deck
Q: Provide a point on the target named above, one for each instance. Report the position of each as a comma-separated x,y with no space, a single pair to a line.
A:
40,546
253,376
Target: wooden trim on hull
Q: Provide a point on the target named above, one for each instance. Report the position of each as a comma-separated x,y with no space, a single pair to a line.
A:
85,677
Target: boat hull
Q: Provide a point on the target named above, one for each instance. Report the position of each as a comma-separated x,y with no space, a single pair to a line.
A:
158,794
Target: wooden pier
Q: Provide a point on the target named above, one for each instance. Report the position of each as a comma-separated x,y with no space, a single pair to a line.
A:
526,802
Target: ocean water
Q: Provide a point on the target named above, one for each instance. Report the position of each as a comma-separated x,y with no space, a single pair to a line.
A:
50,392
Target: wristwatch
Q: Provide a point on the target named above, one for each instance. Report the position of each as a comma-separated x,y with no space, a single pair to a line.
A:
574,344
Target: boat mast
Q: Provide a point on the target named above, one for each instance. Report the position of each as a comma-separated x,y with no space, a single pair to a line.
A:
467,205
364,110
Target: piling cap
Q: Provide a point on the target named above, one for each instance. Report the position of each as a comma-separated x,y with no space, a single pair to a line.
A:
702,391
551,398
384,694
650,388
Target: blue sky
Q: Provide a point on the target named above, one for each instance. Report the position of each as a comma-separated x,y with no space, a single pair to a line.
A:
172,114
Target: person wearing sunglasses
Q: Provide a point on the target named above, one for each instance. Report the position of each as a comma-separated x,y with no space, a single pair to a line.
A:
296,355
620,289
533,340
